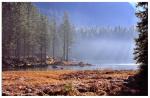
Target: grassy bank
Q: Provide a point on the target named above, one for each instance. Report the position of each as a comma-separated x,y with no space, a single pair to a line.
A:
67,82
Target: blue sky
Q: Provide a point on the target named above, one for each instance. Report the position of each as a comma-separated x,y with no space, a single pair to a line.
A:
90,13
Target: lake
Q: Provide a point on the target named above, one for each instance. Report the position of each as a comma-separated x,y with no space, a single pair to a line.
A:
93,67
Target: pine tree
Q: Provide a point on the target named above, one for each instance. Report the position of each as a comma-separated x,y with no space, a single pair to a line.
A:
66,30
27,31
141,50
53,31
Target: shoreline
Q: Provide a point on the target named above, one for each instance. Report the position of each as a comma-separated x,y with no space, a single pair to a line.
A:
48,62
72,70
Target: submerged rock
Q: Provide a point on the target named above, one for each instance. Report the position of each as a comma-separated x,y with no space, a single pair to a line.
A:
54,66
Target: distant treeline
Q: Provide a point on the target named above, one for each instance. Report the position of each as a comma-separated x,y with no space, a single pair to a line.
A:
107,32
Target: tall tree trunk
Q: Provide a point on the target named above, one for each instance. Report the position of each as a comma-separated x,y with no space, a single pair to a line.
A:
45,53
41,55
64,47
53,45
32,54
24,46
18,51
67,47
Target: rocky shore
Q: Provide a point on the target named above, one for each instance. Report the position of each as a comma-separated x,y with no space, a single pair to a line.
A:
68,83
35,62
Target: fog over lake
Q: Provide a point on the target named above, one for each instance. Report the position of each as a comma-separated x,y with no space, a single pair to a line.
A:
105,47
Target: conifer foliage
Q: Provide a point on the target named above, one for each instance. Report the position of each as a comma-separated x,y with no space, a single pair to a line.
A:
141,50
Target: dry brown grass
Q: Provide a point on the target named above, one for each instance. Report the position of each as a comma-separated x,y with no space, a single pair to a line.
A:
32,77
63,82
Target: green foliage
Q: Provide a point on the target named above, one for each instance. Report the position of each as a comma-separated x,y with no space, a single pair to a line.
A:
68,87
67,30
141,51
27,32
26,26
70,90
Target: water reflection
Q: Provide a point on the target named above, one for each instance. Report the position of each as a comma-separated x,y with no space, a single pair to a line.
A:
57,67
